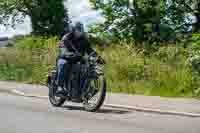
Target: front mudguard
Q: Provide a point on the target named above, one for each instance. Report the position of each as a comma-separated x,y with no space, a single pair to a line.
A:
50,77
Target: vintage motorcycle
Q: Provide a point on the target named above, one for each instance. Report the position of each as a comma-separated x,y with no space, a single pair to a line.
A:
87,79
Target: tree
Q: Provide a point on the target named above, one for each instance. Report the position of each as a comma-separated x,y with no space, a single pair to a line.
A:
175,16
179,13
192,7
139,20
47,16
147,19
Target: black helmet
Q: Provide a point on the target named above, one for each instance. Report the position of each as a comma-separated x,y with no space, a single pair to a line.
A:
79,27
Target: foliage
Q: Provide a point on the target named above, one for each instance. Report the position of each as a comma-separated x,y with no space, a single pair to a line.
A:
30,61
144,20
47,16
190,7
140,20
165,72
195,61
34,42
195,44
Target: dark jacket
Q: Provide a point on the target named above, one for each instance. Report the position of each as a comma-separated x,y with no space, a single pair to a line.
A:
74,46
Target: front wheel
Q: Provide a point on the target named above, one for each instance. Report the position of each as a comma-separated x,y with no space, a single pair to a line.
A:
96,94
54,100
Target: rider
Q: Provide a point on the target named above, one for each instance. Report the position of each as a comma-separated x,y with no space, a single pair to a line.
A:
73,45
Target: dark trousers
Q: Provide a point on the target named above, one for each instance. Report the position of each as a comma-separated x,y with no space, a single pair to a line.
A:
63,70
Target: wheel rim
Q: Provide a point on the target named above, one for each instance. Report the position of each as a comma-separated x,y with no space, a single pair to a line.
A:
95,85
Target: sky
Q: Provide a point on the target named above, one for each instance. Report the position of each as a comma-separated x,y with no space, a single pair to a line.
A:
79,10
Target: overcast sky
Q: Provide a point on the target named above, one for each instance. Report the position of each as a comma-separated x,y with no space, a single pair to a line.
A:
79,10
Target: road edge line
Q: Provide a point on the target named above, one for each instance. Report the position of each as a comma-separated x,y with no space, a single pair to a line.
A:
158,111
26,95
135,108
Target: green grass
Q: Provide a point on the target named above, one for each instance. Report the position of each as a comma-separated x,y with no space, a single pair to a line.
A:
30,61
165,72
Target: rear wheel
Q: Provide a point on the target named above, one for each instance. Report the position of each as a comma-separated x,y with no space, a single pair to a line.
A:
96,94
54,100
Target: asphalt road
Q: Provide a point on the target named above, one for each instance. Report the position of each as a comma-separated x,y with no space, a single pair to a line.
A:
3,43
31,115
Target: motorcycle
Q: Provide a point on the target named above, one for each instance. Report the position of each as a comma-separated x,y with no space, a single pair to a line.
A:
87,80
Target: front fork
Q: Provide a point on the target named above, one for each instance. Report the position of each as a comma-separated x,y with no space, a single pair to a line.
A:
51,81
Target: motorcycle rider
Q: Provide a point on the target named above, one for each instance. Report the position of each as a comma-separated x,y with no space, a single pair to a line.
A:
73,46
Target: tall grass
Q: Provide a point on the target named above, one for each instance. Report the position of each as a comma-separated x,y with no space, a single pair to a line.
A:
29,61
165,72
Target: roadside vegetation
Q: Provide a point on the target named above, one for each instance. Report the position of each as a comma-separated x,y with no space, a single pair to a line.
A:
151,47
169,70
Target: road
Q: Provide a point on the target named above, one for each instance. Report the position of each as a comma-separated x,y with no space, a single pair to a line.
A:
30,115
3,43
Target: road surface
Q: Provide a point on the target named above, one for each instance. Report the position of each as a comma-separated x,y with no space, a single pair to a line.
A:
3,43
30,115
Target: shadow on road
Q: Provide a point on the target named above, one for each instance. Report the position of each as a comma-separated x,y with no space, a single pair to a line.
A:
113,111
102,110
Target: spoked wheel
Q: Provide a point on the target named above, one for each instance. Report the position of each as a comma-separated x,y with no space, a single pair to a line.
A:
96,94
54,100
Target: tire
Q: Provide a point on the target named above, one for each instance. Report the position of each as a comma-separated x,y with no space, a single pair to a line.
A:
100,100
56,103
52,99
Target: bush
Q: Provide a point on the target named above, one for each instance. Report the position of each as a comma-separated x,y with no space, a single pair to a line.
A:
34,42
30,60
164,72
195,62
